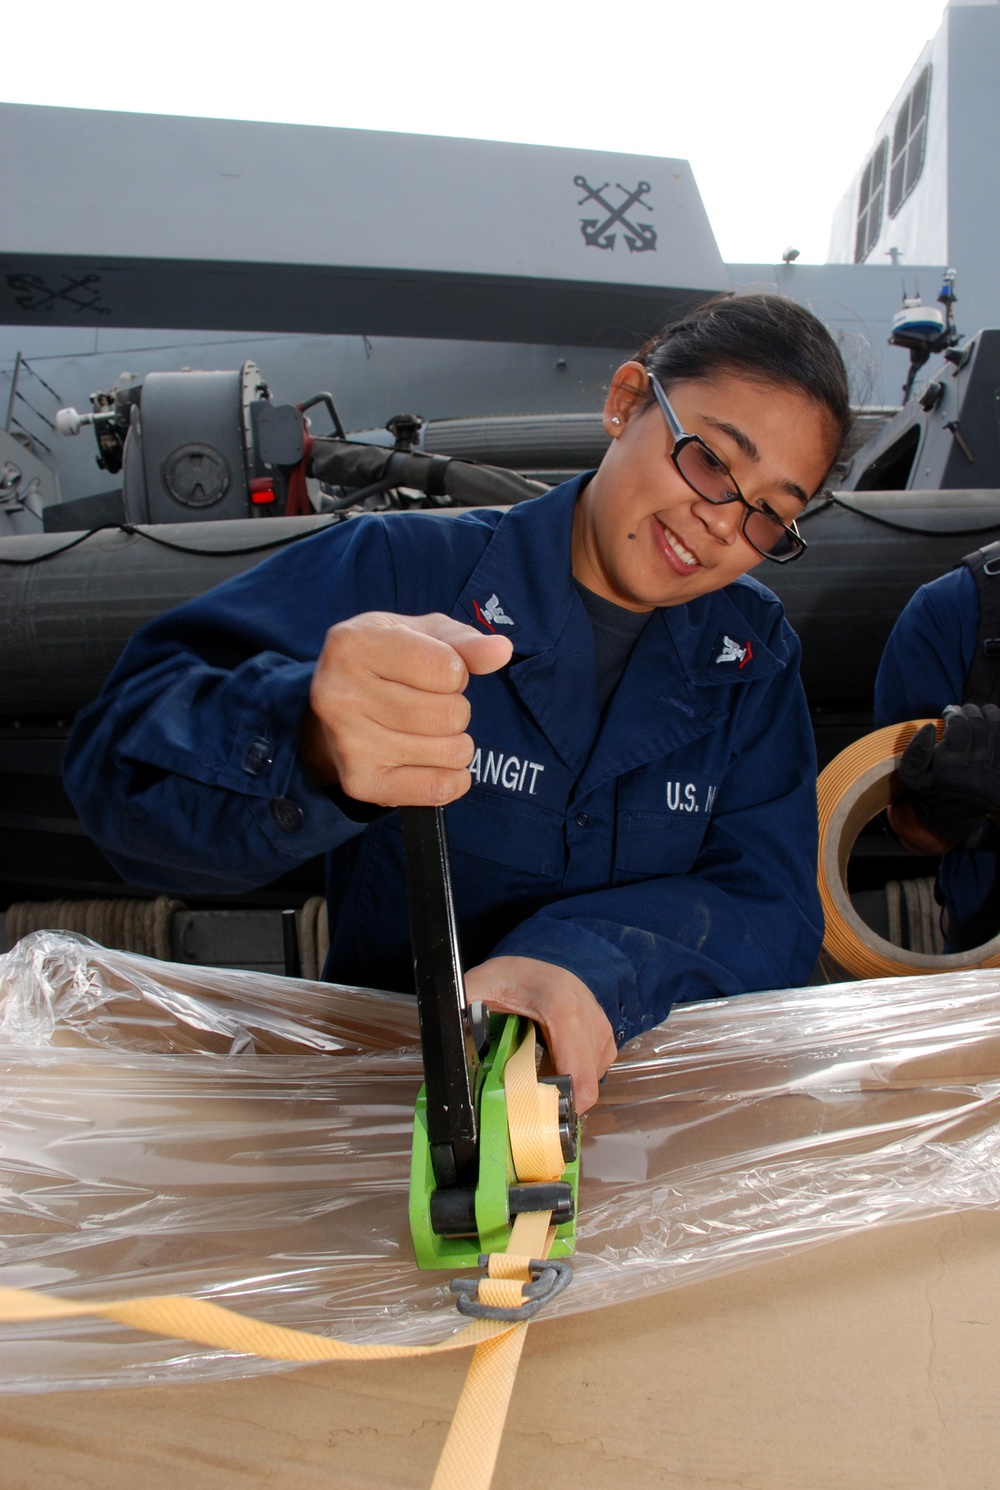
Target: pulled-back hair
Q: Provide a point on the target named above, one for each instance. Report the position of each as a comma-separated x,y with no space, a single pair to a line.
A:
762,336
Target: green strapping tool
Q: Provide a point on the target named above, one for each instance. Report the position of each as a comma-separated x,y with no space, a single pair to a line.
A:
464,1193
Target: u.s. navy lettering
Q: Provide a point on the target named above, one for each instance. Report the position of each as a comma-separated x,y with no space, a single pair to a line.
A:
682,796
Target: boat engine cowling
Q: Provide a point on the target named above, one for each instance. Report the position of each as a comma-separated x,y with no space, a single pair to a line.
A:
206,445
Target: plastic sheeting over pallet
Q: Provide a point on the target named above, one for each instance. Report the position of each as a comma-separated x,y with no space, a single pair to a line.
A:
165,1129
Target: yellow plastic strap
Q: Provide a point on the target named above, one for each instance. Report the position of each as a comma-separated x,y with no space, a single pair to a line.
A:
469,1456
223,1329
509,1264
532,1117
470,1452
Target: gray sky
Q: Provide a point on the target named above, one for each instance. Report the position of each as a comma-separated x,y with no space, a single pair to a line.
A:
774,104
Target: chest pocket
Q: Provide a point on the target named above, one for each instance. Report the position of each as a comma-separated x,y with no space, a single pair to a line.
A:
661,822
503,830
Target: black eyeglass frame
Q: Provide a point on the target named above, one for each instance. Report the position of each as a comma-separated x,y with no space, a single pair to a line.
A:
681,439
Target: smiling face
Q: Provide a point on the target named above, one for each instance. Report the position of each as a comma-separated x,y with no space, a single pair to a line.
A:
641,536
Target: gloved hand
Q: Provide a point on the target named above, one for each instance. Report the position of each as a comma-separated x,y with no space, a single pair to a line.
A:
955,782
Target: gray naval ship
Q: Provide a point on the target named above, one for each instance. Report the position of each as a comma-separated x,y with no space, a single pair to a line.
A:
216,336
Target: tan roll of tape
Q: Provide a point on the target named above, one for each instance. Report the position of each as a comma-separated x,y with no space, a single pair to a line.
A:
855,787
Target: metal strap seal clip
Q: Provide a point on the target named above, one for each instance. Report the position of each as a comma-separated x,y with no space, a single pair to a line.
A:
548,1278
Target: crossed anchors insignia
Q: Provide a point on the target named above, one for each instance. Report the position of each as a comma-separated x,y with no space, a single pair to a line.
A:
640,236
32,293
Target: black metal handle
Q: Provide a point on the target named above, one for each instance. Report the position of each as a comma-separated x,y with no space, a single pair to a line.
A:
450,1055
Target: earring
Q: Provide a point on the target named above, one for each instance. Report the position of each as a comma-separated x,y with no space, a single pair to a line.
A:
615,420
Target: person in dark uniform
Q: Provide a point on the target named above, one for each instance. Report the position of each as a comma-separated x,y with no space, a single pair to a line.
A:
942,659
607,701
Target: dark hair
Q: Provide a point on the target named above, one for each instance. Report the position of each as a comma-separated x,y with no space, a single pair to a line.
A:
764,336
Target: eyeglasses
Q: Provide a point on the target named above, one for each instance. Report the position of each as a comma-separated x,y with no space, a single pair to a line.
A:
705,474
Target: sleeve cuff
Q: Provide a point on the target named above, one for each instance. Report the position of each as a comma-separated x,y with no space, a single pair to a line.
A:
605,970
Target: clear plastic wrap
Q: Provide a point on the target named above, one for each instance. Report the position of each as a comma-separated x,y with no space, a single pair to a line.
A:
245,1139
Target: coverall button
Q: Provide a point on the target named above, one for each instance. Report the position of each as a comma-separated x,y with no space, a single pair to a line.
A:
583,821
287,814
259,756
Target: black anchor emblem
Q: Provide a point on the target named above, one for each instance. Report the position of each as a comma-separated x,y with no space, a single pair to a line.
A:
640,237
35,294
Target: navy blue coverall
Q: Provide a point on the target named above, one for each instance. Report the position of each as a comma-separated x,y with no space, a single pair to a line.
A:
665,851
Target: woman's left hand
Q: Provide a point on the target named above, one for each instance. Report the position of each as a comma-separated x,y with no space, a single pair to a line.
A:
576,1029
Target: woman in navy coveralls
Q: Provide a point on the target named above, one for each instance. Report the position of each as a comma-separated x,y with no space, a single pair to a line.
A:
611,708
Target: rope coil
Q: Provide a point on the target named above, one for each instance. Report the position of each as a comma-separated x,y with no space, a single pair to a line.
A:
141,926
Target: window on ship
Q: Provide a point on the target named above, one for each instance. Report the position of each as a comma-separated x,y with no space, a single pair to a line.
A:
870,199
908,140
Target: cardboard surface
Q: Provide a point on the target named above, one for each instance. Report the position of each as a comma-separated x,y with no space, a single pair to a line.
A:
873,1362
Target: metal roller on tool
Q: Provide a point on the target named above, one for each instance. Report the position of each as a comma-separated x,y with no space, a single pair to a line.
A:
488,1144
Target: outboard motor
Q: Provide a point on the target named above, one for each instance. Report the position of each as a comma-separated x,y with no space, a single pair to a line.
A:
196,446
202,446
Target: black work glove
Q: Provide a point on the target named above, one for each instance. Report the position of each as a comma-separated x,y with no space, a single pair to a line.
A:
955,782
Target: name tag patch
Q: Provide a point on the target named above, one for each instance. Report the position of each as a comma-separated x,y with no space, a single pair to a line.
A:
494,768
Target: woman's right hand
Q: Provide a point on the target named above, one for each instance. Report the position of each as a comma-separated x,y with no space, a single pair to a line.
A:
387,719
